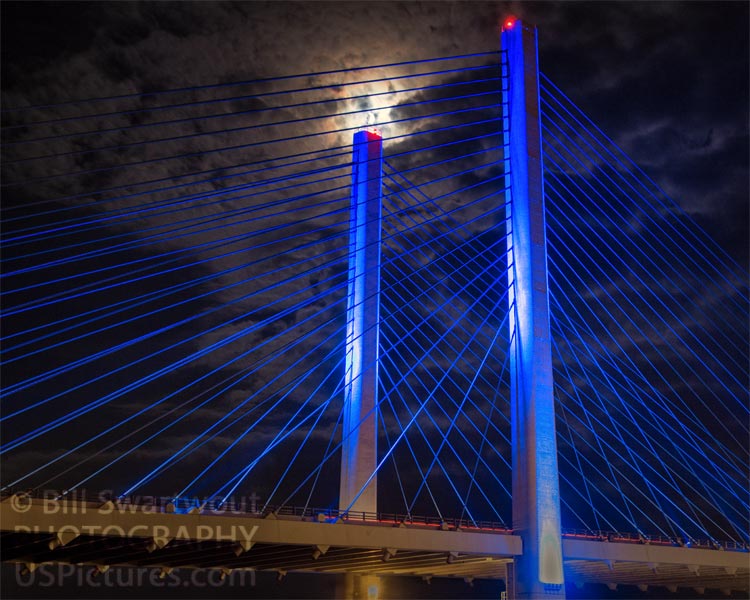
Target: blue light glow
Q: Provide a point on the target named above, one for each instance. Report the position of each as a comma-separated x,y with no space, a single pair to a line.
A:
536,498
358,490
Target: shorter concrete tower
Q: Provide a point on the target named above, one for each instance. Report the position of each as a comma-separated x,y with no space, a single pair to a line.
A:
359,449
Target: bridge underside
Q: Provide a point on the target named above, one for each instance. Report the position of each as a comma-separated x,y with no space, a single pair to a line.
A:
33,549
671,576
104,536
282,558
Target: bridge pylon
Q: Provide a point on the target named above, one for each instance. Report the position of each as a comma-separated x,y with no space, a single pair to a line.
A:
359,447
538,573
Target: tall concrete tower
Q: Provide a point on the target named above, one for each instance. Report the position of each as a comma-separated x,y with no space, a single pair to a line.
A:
536,498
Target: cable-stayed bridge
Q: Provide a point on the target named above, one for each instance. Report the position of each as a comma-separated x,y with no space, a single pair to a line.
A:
337,293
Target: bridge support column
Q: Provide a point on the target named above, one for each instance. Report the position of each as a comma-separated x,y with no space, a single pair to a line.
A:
536,503
359,449
360,587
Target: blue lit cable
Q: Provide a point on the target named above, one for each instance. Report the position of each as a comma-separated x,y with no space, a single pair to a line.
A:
162,371
329,454
290,463
422,405
613,429
129,304
182,231
346,151
319,468
637,488
246,128
484,438
193,445
63,228
384,429
226,149
412,186
235,99
234,483
190,197
56,297
630,320
670,326
638,194
125,389
626,413
263,362
423,281
135,301
232,382
671,205
616,323
444,434
130,278
642,254
384,357
630,376
172,178
249,82
459,411
635,371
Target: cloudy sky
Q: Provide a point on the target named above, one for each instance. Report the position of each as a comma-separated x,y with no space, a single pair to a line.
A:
668,81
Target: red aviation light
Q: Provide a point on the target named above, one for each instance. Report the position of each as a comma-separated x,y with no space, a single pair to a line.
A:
509,23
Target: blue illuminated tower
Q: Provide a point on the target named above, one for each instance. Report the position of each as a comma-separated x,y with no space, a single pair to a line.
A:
536,500
359,448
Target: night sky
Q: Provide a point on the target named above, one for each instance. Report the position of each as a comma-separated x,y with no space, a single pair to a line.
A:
667,81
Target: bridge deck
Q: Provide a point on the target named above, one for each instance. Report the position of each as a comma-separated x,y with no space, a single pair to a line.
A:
36,531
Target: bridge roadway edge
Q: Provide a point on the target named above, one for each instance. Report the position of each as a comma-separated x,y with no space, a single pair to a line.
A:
208,539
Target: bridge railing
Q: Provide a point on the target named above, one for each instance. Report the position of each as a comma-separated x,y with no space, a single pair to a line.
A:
396,519
230,506
636,538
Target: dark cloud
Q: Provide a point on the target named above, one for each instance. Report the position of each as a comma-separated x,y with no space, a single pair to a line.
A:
642,70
